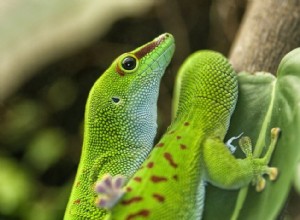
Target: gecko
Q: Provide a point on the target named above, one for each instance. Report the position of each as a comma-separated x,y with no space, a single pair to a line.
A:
120,122
170,183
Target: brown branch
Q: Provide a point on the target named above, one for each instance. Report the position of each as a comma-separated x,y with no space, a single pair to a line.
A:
270,29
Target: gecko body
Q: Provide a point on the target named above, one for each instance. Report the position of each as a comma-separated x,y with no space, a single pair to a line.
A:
170,184
120,122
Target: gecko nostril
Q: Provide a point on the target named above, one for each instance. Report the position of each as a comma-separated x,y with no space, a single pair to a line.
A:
115,99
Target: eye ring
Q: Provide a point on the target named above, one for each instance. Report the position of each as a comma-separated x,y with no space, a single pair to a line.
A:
128,62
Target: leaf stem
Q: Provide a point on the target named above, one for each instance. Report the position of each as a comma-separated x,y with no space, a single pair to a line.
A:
239,203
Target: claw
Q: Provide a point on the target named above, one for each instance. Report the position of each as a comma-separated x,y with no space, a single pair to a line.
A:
260,185
273,173
275,133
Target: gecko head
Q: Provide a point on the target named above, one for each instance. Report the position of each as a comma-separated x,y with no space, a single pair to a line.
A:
138,73
127,91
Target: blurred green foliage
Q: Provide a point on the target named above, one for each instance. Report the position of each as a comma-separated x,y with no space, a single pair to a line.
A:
51,53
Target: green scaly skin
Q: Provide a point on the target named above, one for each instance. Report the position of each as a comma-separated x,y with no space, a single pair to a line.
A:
120,122
170,184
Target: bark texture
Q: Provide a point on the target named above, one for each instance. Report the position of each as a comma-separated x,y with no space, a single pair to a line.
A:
269,30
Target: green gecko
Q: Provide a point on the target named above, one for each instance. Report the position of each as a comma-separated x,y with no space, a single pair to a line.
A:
120,122
170,184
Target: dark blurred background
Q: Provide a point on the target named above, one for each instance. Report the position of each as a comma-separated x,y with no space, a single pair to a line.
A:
52,53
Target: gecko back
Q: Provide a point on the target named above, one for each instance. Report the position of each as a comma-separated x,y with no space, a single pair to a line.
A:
207,88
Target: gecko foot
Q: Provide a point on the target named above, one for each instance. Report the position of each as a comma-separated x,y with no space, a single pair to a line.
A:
109,190
260,182
261,164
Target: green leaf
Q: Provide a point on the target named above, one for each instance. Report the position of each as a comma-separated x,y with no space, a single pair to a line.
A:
264,102
46,148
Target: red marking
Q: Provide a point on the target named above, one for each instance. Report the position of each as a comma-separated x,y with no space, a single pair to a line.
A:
146,49
178,137
132,200
137,179
150,164
160,144
77,184
77,201
157,179
142,213
128,189
158,197
119,70
175,177
149,47
183,147
169,158
186,124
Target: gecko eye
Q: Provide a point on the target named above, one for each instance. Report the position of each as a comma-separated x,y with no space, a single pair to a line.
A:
115,99
129,63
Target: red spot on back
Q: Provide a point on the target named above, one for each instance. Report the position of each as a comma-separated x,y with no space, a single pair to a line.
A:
175,177
178,137
157,179
158,197
160,144
142,213
132,200
77,184
182,146
169,158
150,164
186,123
128,189
137,179
77,201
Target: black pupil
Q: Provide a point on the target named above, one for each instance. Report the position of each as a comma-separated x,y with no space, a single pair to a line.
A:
129,63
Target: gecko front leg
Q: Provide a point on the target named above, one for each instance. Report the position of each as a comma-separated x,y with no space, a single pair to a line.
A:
227,172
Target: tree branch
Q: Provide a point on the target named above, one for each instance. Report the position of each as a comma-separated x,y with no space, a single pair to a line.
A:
270,29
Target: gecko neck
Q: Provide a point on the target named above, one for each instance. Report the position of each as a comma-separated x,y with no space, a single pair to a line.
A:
106,147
